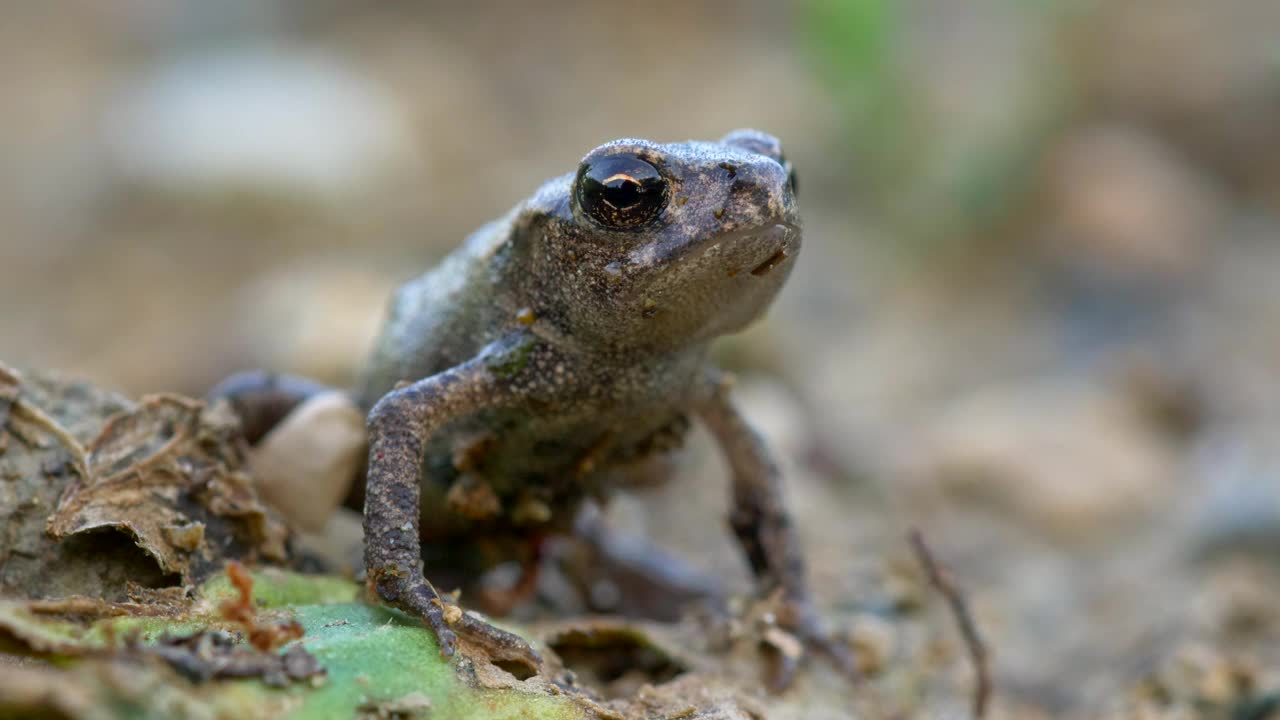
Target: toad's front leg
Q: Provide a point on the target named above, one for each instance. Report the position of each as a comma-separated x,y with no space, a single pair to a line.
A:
764,528
399,427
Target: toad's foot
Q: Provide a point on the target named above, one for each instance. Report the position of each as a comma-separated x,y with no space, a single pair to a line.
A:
448,622
835,650
791,633
768,538
399,426
501,646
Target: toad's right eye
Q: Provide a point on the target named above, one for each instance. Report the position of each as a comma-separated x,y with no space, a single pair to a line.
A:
621,191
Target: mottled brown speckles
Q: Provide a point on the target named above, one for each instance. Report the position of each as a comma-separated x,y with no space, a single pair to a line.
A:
469,451
531,510
592,459
472,498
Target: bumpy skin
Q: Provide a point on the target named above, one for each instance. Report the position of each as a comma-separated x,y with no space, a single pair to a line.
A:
552,350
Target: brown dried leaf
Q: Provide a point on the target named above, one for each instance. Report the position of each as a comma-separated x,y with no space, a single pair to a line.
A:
162,469
8,394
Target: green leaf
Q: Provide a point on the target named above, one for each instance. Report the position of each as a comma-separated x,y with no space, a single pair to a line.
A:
378,662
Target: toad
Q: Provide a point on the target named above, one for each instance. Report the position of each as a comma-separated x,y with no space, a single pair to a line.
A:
558,347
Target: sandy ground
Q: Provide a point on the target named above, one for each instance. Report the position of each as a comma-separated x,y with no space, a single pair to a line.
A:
1044,336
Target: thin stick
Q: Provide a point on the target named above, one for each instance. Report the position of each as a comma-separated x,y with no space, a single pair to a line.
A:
964,619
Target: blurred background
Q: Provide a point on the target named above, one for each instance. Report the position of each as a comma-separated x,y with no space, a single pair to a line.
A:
1036,313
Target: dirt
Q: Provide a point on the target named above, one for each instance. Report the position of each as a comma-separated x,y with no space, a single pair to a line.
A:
925,636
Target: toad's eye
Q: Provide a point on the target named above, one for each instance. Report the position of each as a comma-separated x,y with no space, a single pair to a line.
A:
621,191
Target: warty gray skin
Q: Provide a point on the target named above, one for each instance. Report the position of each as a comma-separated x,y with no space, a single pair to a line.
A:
622,319
556,348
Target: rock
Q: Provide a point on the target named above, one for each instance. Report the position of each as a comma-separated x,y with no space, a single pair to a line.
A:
305,466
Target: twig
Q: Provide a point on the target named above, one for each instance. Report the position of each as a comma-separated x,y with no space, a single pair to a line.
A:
27,412
964,619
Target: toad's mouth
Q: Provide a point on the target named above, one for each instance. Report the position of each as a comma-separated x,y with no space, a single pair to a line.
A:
772,262
710,285
744,253
769,247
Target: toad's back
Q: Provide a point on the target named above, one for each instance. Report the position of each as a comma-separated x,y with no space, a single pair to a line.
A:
439,319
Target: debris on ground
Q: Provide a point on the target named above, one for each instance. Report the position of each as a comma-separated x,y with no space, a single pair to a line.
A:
103,497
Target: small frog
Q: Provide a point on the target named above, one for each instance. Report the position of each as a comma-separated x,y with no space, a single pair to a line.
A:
560,346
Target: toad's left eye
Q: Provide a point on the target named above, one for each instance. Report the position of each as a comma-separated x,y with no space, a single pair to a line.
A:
621,191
